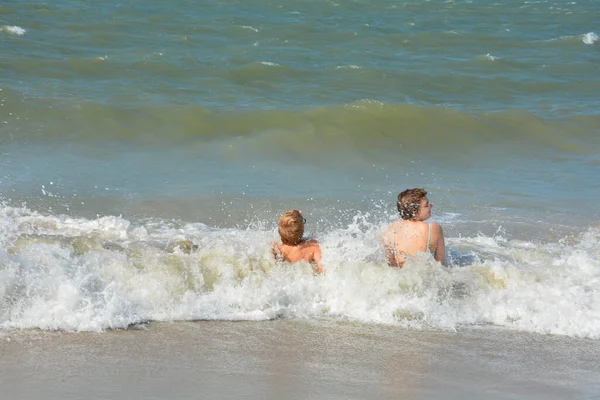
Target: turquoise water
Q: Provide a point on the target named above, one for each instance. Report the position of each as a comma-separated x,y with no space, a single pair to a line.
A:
126,127
483,102
254,55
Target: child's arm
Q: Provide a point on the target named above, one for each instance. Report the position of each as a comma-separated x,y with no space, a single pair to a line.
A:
317,260
440,249
276,251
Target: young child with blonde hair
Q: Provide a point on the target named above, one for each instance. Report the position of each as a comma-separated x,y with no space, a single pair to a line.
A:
292,247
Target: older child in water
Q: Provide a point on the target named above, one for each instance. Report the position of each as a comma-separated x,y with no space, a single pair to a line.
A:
292,247
411,234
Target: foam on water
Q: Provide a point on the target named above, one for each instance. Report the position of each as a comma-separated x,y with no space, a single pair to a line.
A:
270,63
75,274
13,30
590,38
587,38
250,28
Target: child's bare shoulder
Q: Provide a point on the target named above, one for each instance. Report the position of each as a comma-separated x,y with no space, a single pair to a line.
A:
310,243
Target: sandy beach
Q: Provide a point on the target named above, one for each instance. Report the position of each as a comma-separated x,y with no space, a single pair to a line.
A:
296,359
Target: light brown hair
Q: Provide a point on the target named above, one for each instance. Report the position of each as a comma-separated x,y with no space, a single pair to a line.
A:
409,202
291,227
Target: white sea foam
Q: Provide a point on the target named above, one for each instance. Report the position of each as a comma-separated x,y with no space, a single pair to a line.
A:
75,274
14,30
269,63
590,38
587,38
365,103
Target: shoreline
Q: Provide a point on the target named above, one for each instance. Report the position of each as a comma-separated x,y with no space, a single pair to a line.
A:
296,359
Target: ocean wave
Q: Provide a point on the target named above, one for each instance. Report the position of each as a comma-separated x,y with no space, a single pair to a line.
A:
587,38
75,274
368,128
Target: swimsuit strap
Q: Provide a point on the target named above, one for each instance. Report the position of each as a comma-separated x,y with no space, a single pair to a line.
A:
428,235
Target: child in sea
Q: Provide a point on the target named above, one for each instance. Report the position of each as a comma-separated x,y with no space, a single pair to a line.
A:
411,234
292,247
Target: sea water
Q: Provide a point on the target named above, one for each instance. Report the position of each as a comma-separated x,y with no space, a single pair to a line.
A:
130,128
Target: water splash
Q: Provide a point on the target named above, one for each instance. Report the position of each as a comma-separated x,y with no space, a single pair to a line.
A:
14,30
64,273
590,38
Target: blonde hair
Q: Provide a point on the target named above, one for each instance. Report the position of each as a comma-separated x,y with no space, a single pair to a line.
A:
291,227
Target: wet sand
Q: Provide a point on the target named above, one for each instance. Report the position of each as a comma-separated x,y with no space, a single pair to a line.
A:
296,359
